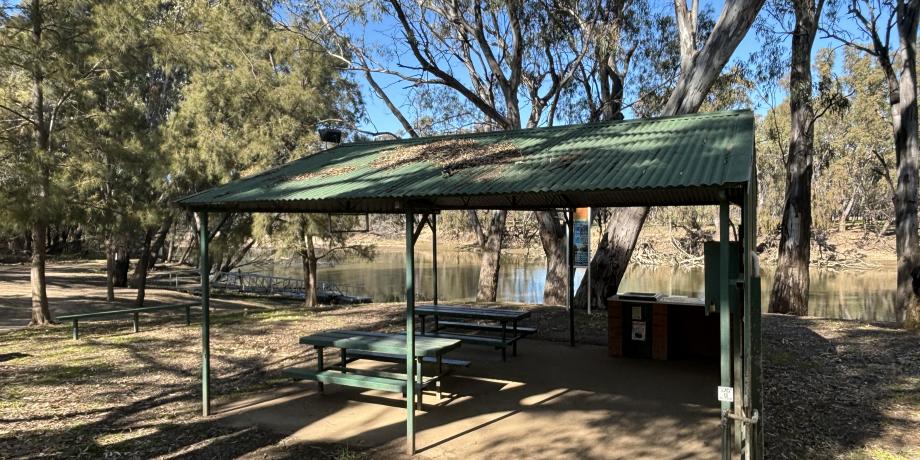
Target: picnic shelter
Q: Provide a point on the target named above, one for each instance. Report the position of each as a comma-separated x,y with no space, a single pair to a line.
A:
699,159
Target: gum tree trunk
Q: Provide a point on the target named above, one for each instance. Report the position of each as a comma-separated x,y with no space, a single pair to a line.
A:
904,121
791,283
902,101
612,256
491,258
552,236
700,68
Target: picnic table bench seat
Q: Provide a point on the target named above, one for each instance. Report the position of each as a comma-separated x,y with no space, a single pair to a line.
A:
504,334
496,342
376,380
525,330
377,346
135,312
356,355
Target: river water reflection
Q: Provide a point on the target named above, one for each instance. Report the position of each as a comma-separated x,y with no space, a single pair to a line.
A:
863,295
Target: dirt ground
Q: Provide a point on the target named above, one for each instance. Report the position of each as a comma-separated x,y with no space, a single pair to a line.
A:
832,389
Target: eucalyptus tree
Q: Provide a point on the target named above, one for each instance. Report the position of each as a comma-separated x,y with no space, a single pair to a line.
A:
633,59
887,30
861,134
511,61
702,59
790,285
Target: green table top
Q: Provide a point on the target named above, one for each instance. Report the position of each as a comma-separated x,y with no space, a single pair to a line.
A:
380,342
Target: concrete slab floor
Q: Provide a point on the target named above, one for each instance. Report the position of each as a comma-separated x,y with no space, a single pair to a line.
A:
551,401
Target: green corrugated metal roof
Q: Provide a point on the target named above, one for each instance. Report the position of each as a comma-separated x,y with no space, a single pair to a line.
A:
664,161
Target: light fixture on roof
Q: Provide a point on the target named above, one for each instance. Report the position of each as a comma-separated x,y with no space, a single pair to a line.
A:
331,135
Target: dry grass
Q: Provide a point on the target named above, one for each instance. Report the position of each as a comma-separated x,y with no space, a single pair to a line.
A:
833,389
118,394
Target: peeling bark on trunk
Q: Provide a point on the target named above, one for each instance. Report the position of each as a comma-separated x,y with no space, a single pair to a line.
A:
907,145
41,315
491,258
902,100
703,67
552,236
791,282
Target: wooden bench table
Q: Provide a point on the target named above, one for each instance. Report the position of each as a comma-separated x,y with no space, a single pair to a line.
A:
369,343
507,325
75,318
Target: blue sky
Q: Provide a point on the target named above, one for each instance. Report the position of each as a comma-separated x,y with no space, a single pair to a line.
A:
379,118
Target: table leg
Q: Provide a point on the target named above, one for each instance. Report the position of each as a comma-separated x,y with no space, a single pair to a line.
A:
76,330
344,357
515,335
418,366
440,375
319,365
188,315
504,327
136,326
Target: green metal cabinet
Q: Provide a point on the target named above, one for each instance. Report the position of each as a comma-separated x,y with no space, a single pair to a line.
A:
711,269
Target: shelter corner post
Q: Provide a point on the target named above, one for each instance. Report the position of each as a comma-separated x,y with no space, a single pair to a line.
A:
204,268
410,334
434,255
725,325
570,264
752,317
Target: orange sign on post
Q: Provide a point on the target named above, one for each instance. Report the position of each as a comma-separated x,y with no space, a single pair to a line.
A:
582,237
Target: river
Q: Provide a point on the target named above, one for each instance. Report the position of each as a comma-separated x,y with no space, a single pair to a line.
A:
862,295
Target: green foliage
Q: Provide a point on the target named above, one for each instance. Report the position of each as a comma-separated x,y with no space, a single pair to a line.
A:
253,98
152,101
854,155
47,51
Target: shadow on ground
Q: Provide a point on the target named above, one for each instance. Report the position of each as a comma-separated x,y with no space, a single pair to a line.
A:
837,386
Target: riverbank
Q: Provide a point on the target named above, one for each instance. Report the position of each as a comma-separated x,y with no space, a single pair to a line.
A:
832,389
851,249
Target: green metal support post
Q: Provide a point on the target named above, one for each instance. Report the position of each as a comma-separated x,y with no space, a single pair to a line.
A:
754,441
725,325
204,268
410,335
570,263
434,254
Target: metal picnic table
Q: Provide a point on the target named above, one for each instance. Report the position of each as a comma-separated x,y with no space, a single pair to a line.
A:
501,316
373,342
